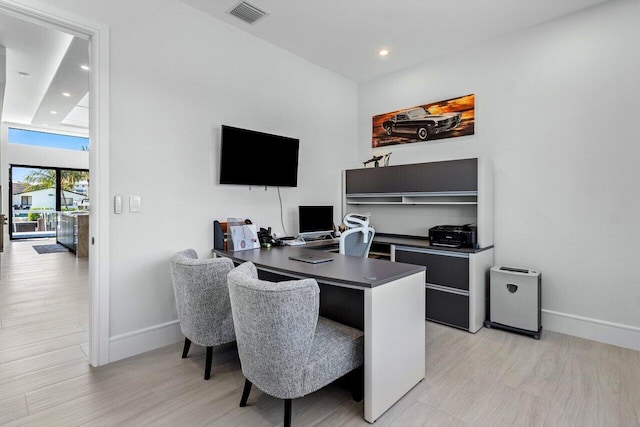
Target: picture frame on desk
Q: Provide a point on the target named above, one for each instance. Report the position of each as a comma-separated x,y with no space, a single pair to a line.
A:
242,236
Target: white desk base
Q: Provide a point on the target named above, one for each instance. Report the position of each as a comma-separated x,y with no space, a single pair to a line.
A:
394,342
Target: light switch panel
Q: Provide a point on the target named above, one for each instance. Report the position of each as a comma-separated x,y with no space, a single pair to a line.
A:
135,204
117,204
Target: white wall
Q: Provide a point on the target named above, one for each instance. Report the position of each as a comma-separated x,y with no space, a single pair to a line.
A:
556,112
176,75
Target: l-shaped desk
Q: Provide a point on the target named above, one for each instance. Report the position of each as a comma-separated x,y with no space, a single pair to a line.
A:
384,299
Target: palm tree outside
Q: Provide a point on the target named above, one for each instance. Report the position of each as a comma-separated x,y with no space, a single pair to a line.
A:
41,179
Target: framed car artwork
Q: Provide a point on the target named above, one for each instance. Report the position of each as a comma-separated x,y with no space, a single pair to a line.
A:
428,122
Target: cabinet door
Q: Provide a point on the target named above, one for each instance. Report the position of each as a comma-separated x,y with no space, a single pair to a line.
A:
451,175
447,283
449,269
447,307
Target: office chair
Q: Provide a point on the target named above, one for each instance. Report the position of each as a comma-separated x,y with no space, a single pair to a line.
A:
202,301
357,239
286,349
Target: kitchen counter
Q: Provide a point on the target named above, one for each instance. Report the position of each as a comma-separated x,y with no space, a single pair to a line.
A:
73,232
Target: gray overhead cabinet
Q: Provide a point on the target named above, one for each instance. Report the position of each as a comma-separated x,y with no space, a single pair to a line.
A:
405,201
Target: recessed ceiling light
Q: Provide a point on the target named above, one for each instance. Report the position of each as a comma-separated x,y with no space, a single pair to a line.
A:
67,94
53,112
24,74
383,52
85,67
44,124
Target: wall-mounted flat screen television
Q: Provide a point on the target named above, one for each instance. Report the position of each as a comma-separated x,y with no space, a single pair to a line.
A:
248,157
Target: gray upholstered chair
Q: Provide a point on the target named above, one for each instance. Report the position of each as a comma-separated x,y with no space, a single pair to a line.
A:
356,241
202,301
285,348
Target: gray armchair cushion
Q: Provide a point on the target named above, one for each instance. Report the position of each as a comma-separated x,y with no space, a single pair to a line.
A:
284,348
337,349
202,298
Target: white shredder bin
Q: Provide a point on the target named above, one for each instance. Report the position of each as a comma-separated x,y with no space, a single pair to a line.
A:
515,298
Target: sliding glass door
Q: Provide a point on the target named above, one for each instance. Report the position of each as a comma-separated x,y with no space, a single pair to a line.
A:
38,193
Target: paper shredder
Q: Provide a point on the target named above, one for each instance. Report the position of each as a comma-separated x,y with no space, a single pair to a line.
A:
515,300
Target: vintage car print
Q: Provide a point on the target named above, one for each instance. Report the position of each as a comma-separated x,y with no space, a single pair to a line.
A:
421,123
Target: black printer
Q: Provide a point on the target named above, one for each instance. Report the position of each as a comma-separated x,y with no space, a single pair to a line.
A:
453,236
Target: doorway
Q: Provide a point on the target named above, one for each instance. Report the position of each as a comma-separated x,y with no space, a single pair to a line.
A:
97,35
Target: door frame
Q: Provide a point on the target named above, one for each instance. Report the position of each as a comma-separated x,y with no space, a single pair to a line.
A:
98,35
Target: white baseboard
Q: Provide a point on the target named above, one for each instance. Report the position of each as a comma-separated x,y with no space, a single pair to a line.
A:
147,339
143,340
592,329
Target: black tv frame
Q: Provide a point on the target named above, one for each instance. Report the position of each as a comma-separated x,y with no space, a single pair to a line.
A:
249,157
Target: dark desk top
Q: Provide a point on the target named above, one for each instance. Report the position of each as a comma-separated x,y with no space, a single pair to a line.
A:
398,240
420,242
347,270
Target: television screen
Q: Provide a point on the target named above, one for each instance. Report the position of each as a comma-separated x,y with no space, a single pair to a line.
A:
254,158
315,219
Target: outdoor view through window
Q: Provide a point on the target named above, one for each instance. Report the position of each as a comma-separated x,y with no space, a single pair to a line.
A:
38,193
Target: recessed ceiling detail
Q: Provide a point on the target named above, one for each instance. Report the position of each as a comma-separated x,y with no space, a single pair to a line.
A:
247,12
70,79
36,63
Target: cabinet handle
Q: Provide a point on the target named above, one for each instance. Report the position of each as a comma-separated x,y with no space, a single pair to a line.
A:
447,289
432,252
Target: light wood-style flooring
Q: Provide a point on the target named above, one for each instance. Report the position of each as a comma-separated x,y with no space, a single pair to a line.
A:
43,322
489,378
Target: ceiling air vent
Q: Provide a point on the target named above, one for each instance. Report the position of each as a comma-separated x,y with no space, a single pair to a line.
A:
247,12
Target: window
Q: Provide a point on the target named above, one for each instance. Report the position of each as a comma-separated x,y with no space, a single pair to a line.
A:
40,192
417,113
50,140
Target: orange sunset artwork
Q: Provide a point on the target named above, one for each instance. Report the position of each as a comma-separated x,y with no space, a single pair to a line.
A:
428,122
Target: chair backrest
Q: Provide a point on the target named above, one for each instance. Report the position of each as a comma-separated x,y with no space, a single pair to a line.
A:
275,324
356,241
202,297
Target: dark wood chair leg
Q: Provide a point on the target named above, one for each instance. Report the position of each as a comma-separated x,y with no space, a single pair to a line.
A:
185,350
245,393
207,367
357,383
287,413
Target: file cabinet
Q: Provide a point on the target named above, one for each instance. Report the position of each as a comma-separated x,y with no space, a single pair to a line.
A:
455,283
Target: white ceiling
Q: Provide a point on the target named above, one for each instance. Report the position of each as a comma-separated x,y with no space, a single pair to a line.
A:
345,35
52,59
342,36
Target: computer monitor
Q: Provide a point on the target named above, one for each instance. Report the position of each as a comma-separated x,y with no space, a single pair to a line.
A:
315,221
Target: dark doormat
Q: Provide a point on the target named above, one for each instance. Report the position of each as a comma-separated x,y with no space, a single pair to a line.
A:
50,249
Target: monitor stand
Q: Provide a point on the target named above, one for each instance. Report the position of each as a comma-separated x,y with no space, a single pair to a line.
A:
309,237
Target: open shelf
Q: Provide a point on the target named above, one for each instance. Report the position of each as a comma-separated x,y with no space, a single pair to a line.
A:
442,198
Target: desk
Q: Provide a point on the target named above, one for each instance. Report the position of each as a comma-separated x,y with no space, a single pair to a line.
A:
391,297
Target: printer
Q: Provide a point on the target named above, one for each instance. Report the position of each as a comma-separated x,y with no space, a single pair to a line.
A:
453,236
